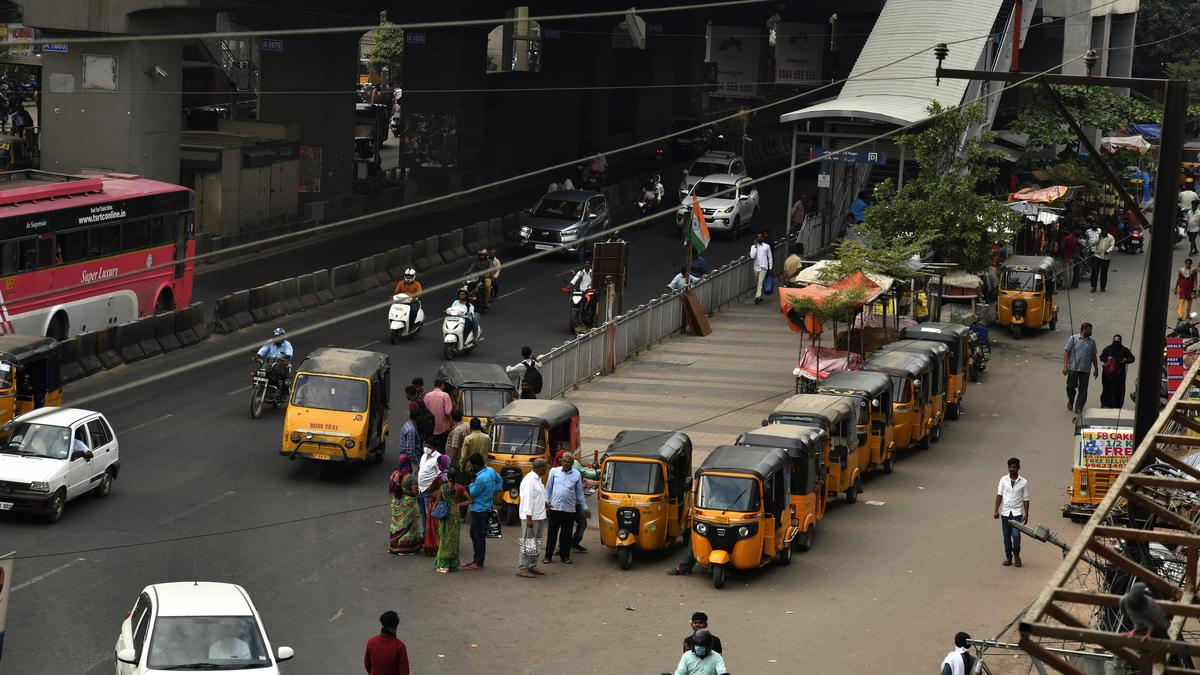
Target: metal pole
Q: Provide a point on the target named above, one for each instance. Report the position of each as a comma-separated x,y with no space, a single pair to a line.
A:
791,194
1016,41
1159,267
900,182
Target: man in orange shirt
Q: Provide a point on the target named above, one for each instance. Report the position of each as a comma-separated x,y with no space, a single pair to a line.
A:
409,285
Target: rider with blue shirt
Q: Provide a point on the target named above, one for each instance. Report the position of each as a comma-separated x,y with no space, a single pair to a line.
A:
281,350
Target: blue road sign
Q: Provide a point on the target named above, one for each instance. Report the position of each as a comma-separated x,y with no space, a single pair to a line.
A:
270,45
850,156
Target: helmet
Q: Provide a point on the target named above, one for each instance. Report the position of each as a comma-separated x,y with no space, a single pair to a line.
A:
410,275
463,291
279,332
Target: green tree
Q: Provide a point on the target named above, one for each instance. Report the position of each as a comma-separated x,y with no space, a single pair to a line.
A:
1159,20
1104,108
941,209
387,49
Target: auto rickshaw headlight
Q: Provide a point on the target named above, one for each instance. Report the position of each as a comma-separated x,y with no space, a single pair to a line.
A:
622,534
701,528
514,493
295,437
349,443
743,531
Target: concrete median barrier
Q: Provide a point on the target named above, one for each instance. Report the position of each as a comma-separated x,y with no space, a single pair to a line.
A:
343,278
306,289
289,292
495,232
382,278
147,337
183,326
420,258
432,256
241,308
366,276
164,332
128,342
223,321
396,260
323,283
69,369
199,327
452,242
107,347
475,237
510,228
264,307
87,353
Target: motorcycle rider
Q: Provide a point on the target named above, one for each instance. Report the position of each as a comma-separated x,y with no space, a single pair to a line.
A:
582,282
487,267
471,322
409,286
281,349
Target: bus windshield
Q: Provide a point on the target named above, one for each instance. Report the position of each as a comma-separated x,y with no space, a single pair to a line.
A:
727,493
640,478
520,439
330,393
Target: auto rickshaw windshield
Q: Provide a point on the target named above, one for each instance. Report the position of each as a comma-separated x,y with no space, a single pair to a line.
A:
484,402
1021,280
899,389
7,372
330,393
639,478
727,493
520,439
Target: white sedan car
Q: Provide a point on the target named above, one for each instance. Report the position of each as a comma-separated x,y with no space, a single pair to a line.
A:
194,627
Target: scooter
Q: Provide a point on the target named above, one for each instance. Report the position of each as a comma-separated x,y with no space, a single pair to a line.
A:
582,312
1133,242
1186,328
401,321
455,338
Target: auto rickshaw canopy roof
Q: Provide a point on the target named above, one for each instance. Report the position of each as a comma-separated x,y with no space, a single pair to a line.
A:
349,362
476,375
908,364
25,348
662,445
1036,263
794,439
832,408
1115,418
858,381
759,462
529,410
948,333
916,347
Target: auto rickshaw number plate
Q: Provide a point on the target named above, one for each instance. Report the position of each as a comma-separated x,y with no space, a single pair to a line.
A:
320,456
5,506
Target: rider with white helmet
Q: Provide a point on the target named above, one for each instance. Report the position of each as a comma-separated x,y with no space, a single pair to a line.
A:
409,286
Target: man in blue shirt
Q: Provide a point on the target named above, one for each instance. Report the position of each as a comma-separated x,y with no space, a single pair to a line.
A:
410,438
483,490
279,349
858,208
564,496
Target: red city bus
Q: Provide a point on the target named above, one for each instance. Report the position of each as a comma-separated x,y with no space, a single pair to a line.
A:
68,242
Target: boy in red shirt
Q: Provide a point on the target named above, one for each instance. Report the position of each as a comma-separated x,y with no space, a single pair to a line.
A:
386,654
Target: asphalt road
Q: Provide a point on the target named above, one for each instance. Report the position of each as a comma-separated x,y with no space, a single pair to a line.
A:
193,462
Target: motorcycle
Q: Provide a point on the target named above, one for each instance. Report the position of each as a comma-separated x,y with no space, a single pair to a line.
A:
981,349
455,338
478,297
1133,242
401,321
647,206
582,310
268,384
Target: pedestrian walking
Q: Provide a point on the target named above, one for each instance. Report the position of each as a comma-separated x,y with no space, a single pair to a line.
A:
483,490
1070,247
427,484
959,661
439,404
799,213
700,622
764,262
404,534
1114,360
1092,232
410,438
1079,357
1101,257
528,372
450,527
533,519
386,653
581,518
701,659
476,444
454,439
564,494
1185,289
1012,505
1192,225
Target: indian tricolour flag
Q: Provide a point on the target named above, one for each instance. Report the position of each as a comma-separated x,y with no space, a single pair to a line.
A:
698,234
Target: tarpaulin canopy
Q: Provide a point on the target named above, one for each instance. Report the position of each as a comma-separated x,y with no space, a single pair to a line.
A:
1039,195
1135,143
812,275
818,363
860,281
1151,132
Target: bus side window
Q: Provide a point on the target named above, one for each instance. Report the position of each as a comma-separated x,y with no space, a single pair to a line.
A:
72,246
27,255
135,234
104,241
10,259
45,251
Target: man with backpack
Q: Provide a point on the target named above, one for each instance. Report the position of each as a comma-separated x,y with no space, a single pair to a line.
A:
424,419
529,373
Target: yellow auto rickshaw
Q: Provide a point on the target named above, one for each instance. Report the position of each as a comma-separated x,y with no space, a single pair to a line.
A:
939,355
478,390
1027,291
29,375
645,491
805,448
338,411
837,417
1103,446
913,413
521,432
742,517
959,339
873,393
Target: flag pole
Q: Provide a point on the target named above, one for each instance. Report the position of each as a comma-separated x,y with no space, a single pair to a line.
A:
687,264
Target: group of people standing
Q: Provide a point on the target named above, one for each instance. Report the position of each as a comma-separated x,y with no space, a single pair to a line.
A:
1094,249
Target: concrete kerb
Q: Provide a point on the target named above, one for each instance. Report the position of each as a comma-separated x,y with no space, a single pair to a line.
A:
475,237
148,337
164,332
342,280
87,353
289,290
128,341
68,360
107,344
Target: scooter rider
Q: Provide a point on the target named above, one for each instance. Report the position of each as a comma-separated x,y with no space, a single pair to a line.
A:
409,286
471,320
278,348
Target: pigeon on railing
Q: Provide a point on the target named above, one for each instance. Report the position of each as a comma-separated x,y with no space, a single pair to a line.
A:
1144,613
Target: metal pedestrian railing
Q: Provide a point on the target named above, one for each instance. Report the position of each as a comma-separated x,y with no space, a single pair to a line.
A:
600,350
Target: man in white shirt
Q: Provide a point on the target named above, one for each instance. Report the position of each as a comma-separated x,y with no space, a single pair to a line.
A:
1012,504
1186,197
1192,227
763,257
533,519
229,647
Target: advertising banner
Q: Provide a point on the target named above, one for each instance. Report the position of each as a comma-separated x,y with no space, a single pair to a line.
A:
799,53
737,51
1105,449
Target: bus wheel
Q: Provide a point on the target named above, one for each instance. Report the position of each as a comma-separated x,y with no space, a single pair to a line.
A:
58,327
625,557
165,302
718,575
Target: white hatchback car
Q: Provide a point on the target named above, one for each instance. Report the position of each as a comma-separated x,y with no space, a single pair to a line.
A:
193,627
50,456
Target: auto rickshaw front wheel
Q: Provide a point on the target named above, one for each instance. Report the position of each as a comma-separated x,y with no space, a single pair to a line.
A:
887,465
1016,331
785,556
935,434
718,575
510,515
625,556
952,411
852,491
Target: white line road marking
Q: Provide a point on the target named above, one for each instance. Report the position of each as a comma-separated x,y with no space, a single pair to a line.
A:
372,342
505,295
43,575
238,390
146,424
196,508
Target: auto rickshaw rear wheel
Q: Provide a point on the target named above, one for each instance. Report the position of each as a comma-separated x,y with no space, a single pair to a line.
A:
625,556
718,575
785,556
853,490
952,411
804,540
887,465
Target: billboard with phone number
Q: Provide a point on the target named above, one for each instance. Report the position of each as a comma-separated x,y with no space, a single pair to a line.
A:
1104,449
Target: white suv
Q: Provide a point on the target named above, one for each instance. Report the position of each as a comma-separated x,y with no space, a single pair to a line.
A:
729,203
193,627
711,162
52,455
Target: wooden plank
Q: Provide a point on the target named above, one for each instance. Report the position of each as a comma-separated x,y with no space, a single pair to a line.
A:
1110,600
1161,511
1161,536
1173,439
1164,587
1183,420
1066,619
1110,640
1185,484
1053,660
694,313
